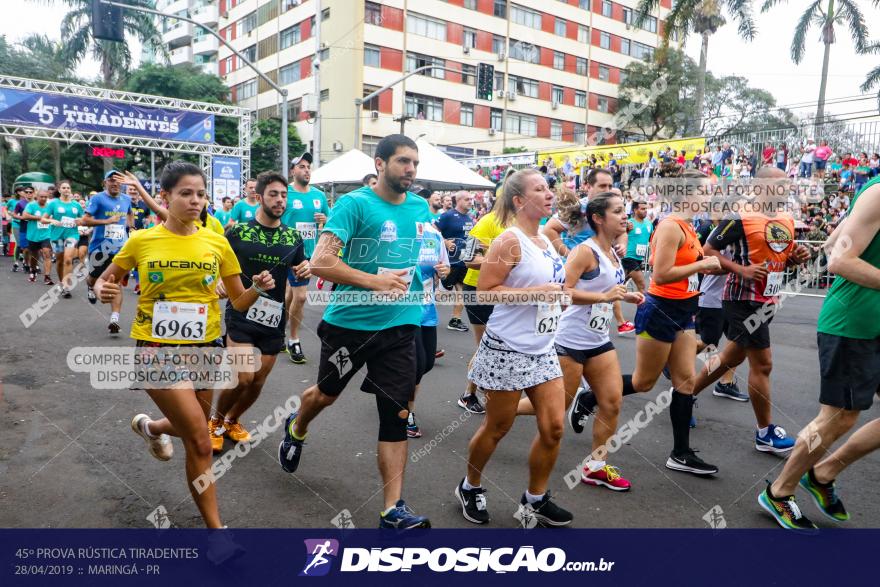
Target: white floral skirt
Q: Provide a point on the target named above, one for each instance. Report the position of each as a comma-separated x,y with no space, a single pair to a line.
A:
496,366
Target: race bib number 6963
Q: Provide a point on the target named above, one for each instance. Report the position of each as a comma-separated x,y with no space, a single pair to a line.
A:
180,321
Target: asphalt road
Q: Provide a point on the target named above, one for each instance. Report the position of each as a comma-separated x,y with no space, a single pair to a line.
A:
69,459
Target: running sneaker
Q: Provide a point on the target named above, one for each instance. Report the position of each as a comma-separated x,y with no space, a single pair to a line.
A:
15,267
236,432
290,449
786,512
93,297
294,349
689,462
457,324
730,391
607,476
137,289
473,503
626,328
579,412
401,517
113,327
439,354
32,277
546,512
412,427
160,446
215,432
47,280
471,403
65,293
825,496
775,441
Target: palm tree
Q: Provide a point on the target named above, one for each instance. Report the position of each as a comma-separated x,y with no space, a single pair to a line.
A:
836,13
115,58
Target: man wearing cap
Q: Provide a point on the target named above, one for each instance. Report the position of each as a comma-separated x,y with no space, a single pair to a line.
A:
110,213
306,211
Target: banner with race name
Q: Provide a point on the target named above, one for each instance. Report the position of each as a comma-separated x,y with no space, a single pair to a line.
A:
59,111
623,153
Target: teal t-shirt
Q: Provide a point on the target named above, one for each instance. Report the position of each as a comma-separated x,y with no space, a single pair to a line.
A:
300,214
223,216
58,210
244,212
37,231
638,239
10,208
378,235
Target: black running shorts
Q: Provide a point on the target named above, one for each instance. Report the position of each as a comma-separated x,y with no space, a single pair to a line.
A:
849,370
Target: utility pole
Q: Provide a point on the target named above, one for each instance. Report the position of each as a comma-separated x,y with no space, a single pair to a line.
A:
267,79
316,140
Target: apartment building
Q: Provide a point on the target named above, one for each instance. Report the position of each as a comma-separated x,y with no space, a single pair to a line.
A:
557,67
185,42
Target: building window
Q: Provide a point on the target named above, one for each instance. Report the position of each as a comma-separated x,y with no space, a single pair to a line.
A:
604,73
426,27
556,130
580,65
525,17
325,95
469,38
325,54
602,104
579,132
415,61
606,8
289,74
246,90
424,107
499,81
624,46
627,15
230,63
622,75
558,60
372,103
604,40
521,124
556,94
524,86
642,51
499,9
290,36
247,24
495,119
250,53
325,14
466,115
373,14
470,4
524,52
372,56
650,24
559,27
469,75
580,99
583,34
497,45
288,4
585,4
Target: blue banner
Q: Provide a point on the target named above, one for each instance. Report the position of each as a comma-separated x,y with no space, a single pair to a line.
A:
58,111
225,178
435,557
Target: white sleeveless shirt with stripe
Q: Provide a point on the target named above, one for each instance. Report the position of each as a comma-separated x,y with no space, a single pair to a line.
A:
584,327
529,329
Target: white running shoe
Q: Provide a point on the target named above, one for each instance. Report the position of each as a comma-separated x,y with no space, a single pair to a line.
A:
160,447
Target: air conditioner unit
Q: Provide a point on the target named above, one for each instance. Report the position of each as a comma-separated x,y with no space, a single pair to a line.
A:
337,146
554,105
511,95
501,56
465,49
491,132
374,114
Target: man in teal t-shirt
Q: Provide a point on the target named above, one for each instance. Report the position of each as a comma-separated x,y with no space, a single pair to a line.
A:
246,210
65,214
39,235
382,232
224,214
306,212
638,238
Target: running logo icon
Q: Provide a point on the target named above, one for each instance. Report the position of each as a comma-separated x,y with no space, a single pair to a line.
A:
319,556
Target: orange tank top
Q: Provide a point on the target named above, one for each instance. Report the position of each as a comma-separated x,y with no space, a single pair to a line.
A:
689,252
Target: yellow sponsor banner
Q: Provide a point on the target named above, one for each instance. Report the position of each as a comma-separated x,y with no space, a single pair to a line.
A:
623,153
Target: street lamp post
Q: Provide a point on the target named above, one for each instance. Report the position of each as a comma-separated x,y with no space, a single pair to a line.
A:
267,79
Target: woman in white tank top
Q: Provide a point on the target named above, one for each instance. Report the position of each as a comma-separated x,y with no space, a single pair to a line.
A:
516,352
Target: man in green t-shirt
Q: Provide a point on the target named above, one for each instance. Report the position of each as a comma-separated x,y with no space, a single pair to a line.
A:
849,368
224,214
245,210
381,231
306,212
39,236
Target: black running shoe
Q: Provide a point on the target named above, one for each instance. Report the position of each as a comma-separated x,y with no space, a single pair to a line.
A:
471,403
579,412
65,293
290,449
457,324
689,462
730,391
15,267
113,327
473,503
546,512
294,349
93,297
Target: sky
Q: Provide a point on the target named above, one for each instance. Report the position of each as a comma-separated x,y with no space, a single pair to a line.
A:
765,61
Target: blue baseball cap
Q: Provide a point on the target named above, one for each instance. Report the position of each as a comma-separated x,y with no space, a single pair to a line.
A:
111,172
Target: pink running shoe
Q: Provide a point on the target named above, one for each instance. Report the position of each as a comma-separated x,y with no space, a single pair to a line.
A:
607,476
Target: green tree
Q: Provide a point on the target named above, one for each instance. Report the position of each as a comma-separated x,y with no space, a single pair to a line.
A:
266,146
704,18
836,13
115,58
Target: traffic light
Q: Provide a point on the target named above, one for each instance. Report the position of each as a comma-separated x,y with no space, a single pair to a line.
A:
485,81
106,22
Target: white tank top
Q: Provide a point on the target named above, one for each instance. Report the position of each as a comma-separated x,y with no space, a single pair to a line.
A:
584,327
529,329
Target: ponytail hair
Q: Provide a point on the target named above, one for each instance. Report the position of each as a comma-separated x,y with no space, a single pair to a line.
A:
569,208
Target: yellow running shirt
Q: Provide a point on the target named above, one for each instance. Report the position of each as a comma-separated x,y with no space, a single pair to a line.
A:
214,225
485,230
176,268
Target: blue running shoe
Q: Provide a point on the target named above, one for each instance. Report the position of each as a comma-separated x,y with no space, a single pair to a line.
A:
290,449
775,441
402,518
